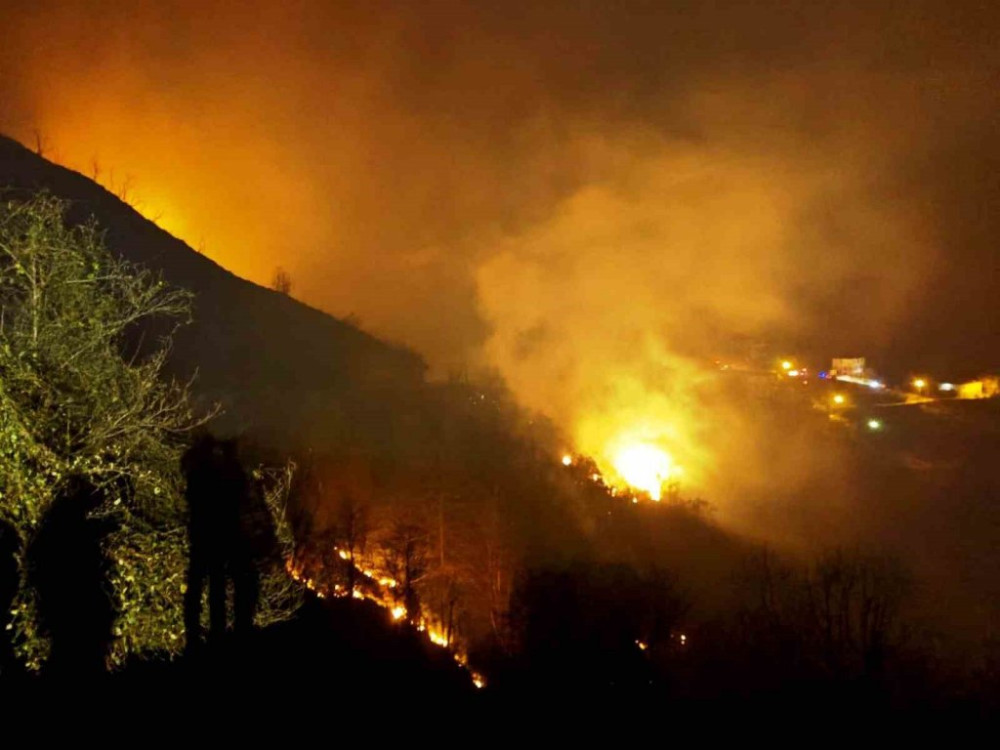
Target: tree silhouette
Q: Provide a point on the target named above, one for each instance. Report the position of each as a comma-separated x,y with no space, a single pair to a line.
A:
281,281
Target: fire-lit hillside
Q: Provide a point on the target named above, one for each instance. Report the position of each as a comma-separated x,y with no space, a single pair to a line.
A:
443,538
281,369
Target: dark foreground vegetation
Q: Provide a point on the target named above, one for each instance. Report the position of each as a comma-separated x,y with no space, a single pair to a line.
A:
410,570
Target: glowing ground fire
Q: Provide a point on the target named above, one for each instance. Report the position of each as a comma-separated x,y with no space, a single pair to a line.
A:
645,467
379,591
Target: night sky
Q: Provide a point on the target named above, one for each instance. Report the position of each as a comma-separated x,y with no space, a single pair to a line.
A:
590,198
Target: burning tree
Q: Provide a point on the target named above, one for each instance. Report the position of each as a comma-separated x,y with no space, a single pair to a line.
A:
404,555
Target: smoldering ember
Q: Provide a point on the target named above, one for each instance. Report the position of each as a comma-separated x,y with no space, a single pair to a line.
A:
371,354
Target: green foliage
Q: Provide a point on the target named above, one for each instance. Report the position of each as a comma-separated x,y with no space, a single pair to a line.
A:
148,578
82,394
280,595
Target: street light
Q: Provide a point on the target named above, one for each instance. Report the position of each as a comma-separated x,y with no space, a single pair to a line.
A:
786,365
839,399
919,384
874,424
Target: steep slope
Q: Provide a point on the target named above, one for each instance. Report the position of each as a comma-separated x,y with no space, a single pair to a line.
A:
283,371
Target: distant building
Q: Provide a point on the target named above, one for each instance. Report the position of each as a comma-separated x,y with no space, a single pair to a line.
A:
985,387
852,366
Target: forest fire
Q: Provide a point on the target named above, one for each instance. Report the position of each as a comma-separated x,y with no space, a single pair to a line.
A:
378,592
636,467
645,467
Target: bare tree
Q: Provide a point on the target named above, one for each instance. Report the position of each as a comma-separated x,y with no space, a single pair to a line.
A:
351,527
854,600
281,281
41,146
842,611
405,553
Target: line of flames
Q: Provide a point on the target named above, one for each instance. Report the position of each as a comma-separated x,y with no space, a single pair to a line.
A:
381,598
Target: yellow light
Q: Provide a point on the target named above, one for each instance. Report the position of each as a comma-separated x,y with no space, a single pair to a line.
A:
642,646
567,460
838,399
919,383
874,424
786,365
398,613
793,373
644,467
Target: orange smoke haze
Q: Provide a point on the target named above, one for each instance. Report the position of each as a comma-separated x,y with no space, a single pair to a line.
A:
592,202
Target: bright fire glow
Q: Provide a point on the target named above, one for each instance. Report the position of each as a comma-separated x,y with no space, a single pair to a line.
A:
644,467
382,595
567,460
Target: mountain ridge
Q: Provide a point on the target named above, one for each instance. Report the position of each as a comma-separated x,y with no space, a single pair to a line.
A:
284,372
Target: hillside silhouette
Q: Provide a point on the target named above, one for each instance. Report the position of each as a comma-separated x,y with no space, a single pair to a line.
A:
283,372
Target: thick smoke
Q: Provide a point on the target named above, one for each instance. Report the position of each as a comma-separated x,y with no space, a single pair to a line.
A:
596,200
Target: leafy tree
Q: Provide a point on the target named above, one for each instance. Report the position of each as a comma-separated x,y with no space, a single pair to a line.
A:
84,402
280,595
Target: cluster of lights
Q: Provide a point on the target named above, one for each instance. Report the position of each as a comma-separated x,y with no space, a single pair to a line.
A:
791,370
873,384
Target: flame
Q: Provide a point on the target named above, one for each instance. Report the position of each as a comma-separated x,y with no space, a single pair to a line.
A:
378,592
437,637
644,467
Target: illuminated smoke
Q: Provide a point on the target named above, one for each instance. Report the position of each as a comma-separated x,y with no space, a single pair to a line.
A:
593,203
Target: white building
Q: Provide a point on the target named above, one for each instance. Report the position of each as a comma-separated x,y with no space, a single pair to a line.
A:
852,366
